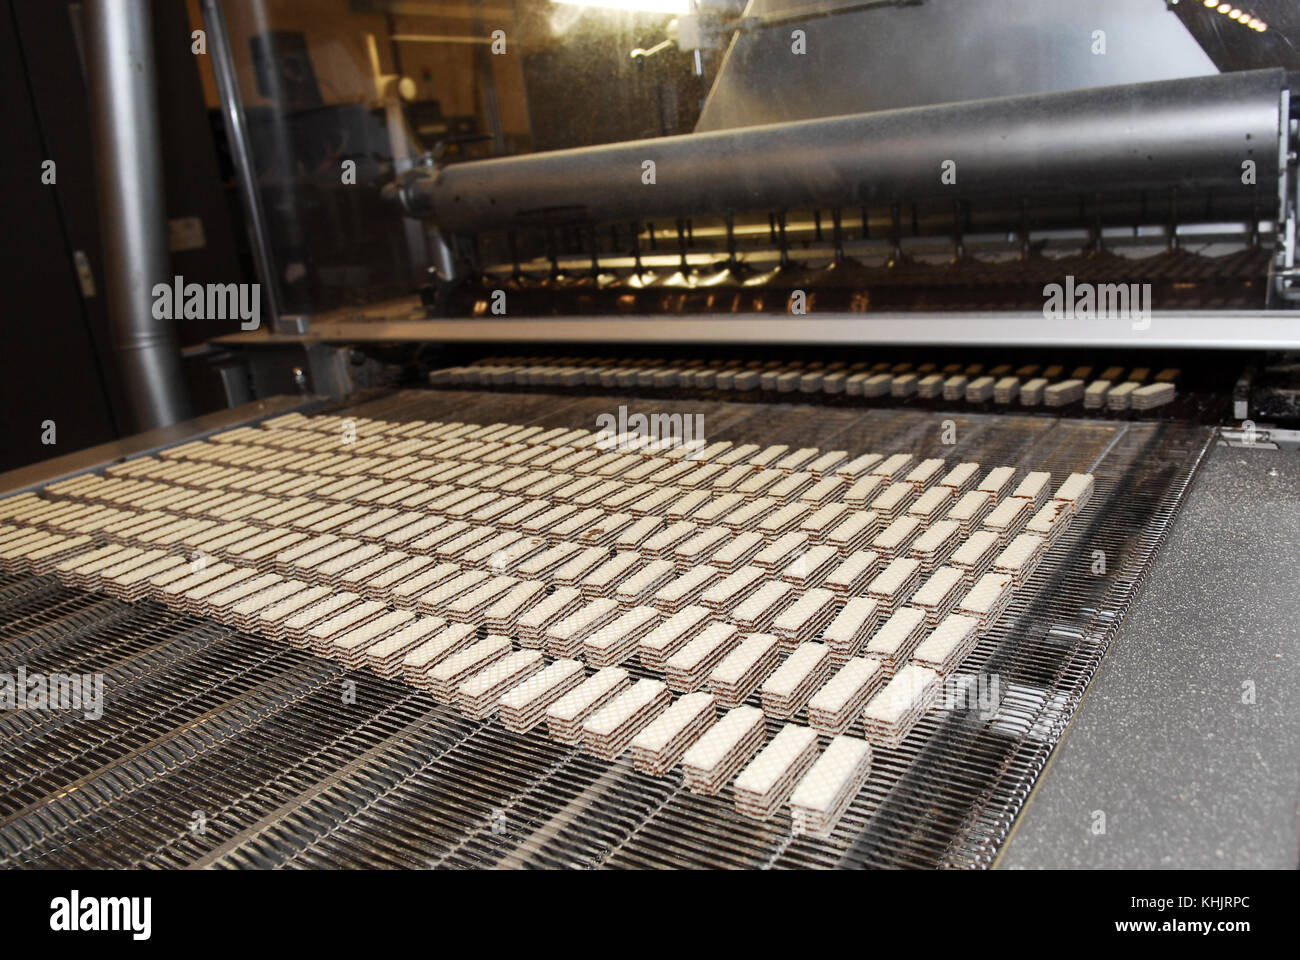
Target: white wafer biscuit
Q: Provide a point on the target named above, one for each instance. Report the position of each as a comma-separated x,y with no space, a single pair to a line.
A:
523,707
479,696
788,689
824,794
948,644
450,672
565,717
658,747
893,712
612,727
722,750
897,637
768,780
834,707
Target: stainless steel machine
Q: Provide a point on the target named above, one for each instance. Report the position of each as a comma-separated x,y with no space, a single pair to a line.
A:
878,207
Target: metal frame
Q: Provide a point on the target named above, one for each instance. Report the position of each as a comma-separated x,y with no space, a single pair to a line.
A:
1194,329
232,113
38,475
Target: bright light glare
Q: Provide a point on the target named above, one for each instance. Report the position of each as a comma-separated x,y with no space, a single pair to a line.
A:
634,6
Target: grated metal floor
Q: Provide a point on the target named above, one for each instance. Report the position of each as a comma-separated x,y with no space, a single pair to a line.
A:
221,749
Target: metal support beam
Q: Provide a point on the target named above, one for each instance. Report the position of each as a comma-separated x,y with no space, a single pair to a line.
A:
232,113
128,162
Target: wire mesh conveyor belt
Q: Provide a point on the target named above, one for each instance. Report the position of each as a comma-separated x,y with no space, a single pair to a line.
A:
221,749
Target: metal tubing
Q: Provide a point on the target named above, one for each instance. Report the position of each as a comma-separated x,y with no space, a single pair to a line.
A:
128,162
1193,133
232,113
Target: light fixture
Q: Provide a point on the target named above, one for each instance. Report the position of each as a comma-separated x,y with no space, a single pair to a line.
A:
1239,15
634,6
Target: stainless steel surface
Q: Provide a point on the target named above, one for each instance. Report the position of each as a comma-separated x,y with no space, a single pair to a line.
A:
141,444
940,50
236,124
1244,330
1190,134
128,162
259,740
1189,741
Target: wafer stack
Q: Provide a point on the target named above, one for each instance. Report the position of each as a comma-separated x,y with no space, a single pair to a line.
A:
449,673
387,655
1035,487
987,598
611,728
897,637
948,644
805,619
666,638
479,696
1120,397
1075,491
566,715
687,669
834,707
700,547
683,590
1021,557
975,555
615,642
893,501
894,711
349,646
642,585
823,520
810,568
733,588
769,779
895,584
505,610
737,552
828,788
523,706
1050,522
864,490
1063,392
851,627
322,635
446,642
758,610
532,624
295,629
741,671
1152,395
1007,518
564,639
852,576
787,690
896,538
658,747
722,750
930,505
961,479
939,594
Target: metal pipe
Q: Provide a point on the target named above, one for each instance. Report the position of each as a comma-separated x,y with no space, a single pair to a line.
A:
1192,133
236,124
128,165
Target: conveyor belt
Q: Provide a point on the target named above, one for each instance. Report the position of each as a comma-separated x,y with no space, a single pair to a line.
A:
219,748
